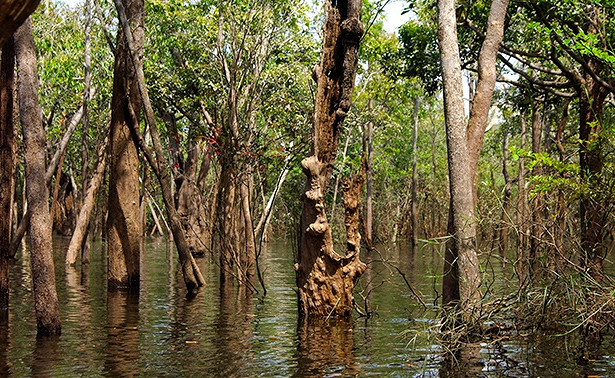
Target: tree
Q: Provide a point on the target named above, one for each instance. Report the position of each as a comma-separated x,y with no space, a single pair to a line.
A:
123,222
39,234
324,278
7,165
461,271
12,14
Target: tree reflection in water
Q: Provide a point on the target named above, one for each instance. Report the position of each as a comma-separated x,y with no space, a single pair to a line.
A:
122,334
325,347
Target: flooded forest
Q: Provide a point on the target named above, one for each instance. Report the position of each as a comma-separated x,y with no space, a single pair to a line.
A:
238,188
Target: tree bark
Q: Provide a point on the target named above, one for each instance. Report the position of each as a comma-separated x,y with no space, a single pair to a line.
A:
7,165
479,111
123,224
39,233
12,14
77,241
326,279
462,279
415,176
191,272
504,218
369,216
522,210
536,203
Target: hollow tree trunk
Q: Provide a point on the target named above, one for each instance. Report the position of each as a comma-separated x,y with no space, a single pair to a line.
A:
7,165
39,233
326,279
123,223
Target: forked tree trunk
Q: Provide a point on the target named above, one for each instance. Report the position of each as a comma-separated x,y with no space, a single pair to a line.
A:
39,234
461,282
326,279
7,165
123,222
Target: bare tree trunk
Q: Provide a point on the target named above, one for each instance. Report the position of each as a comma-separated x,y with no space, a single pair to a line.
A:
536,203
522,206
415,175
462,279
192,274
51,169
86,116
78,240
326,279
369,216
505,217
7,166
123,224
479,112
39,234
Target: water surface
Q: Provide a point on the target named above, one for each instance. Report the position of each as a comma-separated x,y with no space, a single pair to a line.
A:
227,332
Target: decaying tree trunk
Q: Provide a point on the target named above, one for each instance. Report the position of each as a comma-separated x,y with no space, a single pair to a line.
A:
12,14
7,165
123,223
191,272
39,233
326,279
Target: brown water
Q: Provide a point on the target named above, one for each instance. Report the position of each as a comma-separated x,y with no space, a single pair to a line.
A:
225,332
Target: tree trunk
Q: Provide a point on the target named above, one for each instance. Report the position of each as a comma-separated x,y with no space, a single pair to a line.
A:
191,272
415,176
12,14
123,225
522,210
505,217
462,279
479,111
592,209
39,234
536,203
324,278
7,165
79,237
369,216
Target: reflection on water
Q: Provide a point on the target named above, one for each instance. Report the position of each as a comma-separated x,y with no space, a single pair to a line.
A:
226,331
325,347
